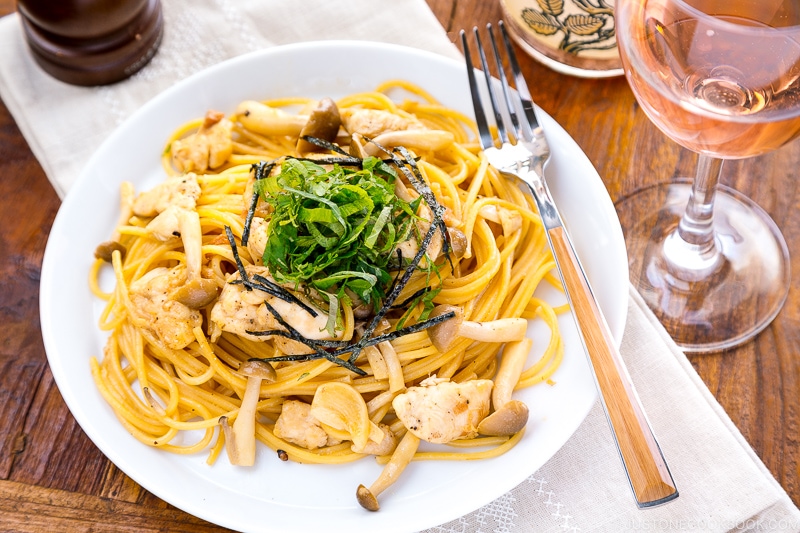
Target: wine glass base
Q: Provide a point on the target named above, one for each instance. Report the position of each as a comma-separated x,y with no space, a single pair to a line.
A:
745,288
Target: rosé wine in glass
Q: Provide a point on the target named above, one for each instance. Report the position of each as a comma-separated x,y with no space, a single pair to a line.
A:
721,78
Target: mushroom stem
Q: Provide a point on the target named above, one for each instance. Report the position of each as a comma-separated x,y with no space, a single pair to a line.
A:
413,139
227,430
267,120
192,238
507,420
377,362
368,497
197,292
241,439
393,366
444,333
509,415
511,364
500,330
244,427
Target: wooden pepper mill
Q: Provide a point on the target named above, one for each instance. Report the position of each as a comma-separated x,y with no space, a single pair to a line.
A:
92,42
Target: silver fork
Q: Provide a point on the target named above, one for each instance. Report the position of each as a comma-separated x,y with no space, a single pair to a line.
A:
523,153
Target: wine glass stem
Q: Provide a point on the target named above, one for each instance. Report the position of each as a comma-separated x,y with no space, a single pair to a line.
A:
691,251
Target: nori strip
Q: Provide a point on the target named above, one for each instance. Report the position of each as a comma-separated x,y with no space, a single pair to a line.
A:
261,170
417,181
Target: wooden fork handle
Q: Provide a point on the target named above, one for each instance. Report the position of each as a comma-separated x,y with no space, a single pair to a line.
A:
649,476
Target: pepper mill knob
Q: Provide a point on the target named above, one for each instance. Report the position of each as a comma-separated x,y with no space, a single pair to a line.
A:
91,42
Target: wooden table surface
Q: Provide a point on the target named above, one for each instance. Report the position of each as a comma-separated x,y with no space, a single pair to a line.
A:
52,478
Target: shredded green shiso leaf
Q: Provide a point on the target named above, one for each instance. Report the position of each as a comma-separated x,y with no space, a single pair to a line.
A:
336,229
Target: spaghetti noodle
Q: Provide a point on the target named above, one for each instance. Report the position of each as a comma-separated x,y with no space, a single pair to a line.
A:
172,367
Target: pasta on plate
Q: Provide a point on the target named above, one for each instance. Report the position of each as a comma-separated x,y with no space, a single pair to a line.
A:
332,279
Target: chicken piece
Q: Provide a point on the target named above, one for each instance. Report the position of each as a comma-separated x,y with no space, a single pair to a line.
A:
310,327
408,248
384,447
220,145
209,148
172,204
167,224
440,411
296,425
152,303
372,122
180,191
239,310
257,242
510,220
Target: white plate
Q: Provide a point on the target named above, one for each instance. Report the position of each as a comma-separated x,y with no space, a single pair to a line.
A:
276,496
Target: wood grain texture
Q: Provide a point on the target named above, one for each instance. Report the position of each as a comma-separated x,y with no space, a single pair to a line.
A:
52,478
647,471
30,508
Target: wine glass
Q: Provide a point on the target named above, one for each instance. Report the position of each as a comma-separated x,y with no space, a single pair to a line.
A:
719,77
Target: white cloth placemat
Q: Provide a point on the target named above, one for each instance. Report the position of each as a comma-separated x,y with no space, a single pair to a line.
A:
723,485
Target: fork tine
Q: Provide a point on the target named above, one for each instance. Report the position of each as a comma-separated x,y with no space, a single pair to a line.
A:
484,133
519,81
511,106
498,116
522,125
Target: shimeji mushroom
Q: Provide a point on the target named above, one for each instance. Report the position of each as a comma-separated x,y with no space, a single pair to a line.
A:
323,123
368,497
240,440
198,291
509,415
417,139
444,333
393,366
172,204
267,120
175,220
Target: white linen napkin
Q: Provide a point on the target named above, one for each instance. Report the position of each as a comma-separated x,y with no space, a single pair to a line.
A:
723,484
64,124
